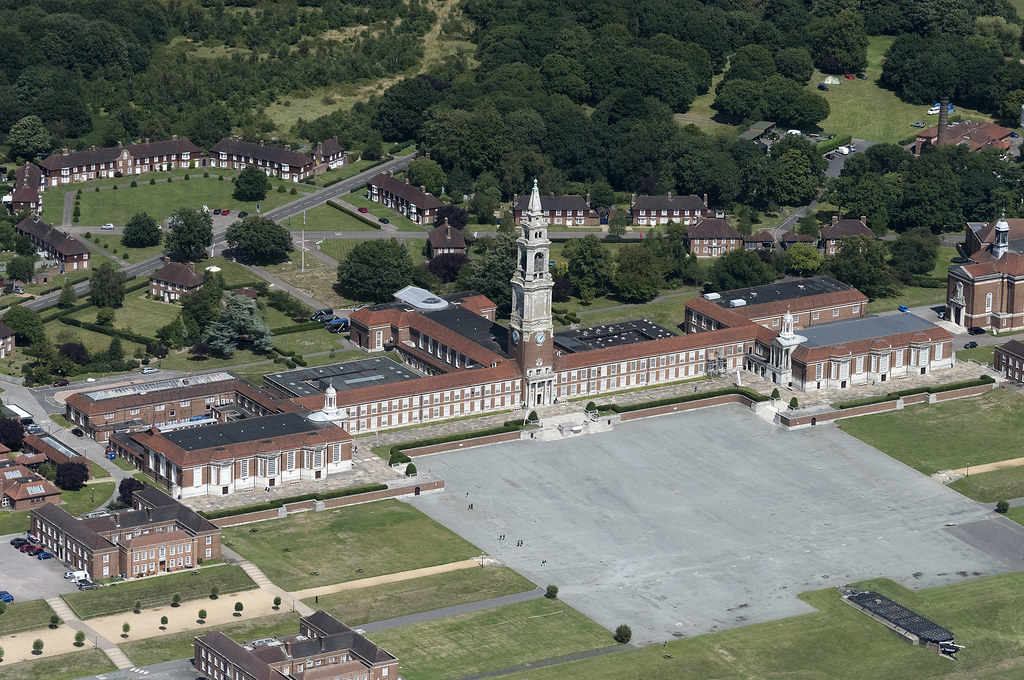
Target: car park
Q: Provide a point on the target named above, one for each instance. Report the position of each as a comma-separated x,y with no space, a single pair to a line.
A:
975,330
107,227
18,542
34,550
45,555
77,431
383,220
6,596
61,383
26,547
971,345
903,308
364,210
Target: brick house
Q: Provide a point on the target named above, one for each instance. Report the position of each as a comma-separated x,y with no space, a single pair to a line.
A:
6,341
27,193
833,233
285,164
324,649
209,398
764,240
653,210
121,160
444,240
22,489
791,238
70,253
236,456
158,534
416,203
713,237
975,135
174,280
569,211
329,155
54,450
1009,360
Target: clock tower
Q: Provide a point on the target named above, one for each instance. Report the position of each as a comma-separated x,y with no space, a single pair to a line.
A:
530,340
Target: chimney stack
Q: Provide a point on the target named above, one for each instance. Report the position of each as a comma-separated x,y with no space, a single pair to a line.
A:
426,155
835,218
670,194
406,180
705,200
632,199
174,138
287,147
147,140
588,199
423,189
447,228
943,121
864,219
391,173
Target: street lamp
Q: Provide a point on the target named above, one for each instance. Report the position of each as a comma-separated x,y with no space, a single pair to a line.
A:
968,470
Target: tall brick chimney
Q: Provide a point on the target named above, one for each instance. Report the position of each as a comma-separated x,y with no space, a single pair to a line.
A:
943,121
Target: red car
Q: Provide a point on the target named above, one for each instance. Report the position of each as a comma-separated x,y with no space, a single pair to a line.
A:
225,211
27,547
363,210
849,76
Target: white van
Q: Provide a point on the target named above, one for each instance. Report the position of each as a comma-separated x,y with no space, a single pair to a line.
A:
76,575
844,150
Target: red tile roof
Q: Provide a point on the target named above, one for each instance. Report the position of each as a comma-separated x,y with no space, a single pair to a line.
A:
411,194
712,228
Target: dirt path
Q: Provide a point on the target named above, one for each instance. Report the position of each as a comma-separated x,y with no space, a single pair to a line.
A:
991,467
385,578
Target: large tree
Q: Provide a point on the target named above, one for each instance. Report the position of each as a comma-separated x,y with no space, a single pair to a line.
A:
428,174
374,270
740,269
638,276
239,323
68,297
491,269
142,231
191,233
21,268
107,286
11,433
804,259
201,308
913,252
252,184
29,138
590,266
26,324
71,476
862,263
127,487
259,240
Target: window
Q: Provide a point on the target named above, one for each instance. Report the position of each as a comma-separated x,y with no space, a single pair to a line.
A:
209,553
988,302
814,316
855,309
835,312
159,407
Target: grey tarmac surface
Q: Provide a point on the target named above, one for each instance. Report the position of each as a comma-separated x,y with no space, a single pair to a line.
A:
711,519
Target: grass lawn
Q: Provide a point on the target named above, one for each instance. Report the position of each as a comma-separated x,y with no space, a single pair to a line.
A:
99,472
863,109
95,260
933,437
235,275
700,112
986,355
354,534
1016,514
182,361
340,248
157,591
836,642
911,296
325,218
179,645
137,313
353,168
84,663
992,487
309,342
93,341
28,615
88,498
492,639
377,603
124,465
14,522
668,314
403,223
943,261
162,199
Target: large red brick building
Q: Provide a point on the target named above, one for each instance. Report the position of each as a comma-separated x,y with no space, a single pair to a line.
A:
27,193
561,211
67,166
70,253
649,211
416,203
274,161
988,290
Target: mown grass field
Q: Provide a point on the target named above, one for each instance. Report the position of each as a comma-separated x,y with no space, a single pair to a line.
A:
933,437
358,199
29,615
325,218
911,296
985,355
356,537
992,487
157,591
340,248
137,314
866,111
83,663
426,593
492,639
837,642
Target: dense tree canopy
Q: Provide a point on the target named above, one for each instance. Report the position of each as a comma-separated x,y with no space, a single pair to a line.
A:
252,184
373,270
142,231
106,286
191,233
259,240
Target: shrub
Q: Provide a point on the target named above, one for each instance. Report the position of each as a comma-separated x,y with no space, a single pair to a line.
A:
163,622
97,189
37,646
114,187
220,178
74,219
78,193
397,457
410,470
623,634
79,638
202,615
591,406
77,212
214,591
186,177
87,235
170,179
294,191
175,599
152,180
125,627
775,393
532,418
133,184
551,592
793,403
137,607
54,621
238,608
281,189
206,174
1002,507
277,602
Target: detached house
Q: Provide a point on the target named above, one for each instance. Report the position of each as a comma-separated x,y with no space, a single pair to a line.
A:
232,152
329,155
21,488
713,238
570,211
27,191
654,210
115,161
70,253
840,229
416,203
444,240
174,280
791,238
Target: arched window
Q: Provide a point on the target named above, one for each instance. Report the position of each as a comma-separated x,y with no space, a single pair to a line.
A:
988,302
538,263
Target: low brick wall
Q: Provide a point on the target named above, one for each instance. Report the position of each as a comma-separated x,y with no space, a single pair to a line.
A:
965,392
407,489
686,406
463,444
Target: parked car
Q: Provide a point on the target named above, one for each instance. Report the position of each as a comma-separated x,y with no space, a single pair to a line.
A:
861,76
107,227
959,260
86,584
849,76
18,542
843,151
830,156
918,124
243,214
358,307
6,596
45,555
61,383
216,211
337,325
903,308
77,431
1014,135
974,330
26,547
320,314
147,370
383,220
34,429
823,86
34,550
225,211
76,575
971,345
364,210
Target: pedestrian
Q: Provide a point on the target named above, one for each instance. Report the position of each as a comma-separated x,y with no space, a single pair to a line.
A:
467,494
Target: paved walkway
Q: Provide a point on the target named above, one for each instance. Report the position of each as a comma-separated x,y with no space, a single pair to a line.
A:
990,467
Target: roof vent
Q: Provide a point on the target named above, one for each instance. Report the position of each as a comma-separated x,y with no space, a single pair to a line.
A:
739,302
712,296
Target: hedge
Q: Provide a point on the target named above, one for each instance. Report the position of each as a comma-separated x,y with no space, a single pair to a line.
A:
88,302
933,389
296,328
694,396
834,143
509,426
359,216
107,330
274,504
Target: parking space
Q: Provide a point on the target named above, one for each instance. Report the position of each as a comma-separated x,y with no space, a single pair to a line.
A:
690,523
28,578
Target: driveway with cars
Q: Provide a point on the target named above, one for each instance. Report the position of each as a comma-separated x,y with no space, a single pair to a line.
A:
29,578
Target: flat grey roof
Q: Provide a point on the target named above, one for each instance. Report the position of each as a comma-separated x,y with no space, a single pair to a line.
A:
610,335
475,328
347,375
838,332
157,385
782,290
239,431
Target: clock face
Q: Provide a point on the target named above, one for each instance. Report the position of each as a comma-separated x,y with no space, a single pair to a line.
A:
540,338
515,337
540,361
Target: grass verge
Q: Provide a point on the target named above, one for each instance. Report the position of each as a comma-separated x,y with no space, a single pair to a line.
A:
992,487
413,541
29,615
84,663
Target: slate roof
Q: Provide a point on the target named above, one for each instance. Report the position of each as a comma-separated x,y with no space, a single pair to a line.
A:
5,331
691,203
72,527
763,237
407,192
1014,347
793,237
844,228
174,146
797,295
261,151
330,147
240,657
712,228
859,336
552,203
63,243
179,274
446,236
27,181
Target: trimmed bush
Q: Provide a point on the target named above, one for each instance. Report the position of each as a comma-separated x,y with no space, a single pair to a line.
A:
591,406
410,470
933,389
682,399
793,403
834,143
97,189
297,328
152,181
206,174
775,393
551,592
186,177
1002,507
133,184
277,503
114,187
533,417
281,189
623,634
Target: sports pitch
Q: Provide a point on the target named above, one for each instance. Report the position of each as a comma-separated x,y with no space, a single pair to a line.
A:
712,519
